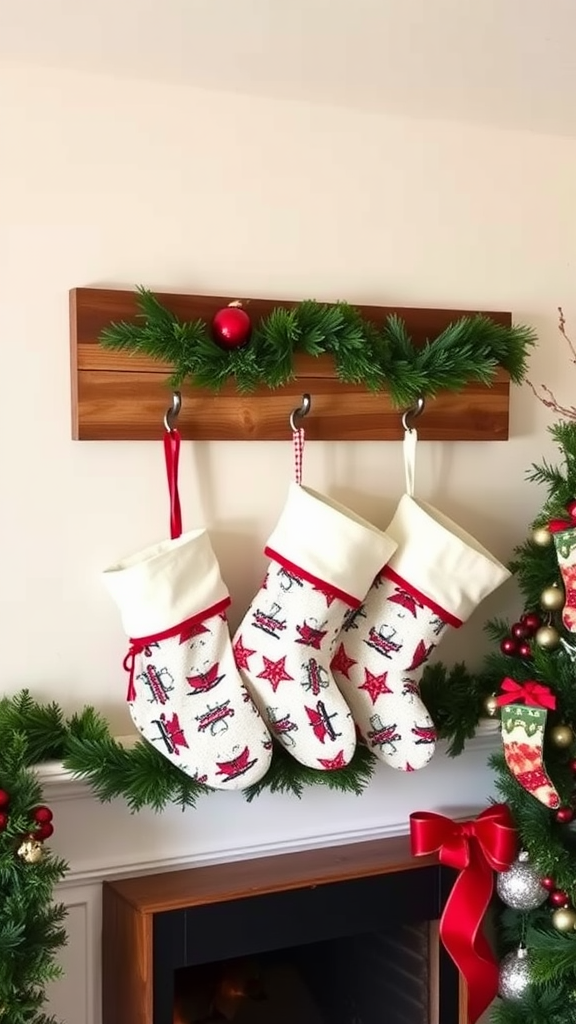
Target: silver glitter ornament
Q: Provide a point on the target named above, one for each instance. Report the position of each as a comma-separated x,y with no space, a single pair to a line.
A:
520,887
515,978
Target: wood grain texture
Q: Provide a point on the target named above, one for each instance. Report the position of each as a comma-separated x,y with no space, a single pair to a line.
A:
127,968
123,396
191,887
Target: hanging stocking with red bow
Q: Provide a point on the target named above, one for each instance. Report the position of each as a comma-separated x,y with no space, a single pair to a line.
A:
564,534
184,694
523,727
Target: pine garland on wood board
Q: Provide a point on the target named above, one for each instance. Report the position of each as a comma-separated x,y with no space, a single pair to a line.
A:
381,358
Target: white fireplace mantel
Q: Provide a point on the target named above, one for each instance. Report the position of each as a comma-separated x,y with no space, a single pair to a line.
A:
106,841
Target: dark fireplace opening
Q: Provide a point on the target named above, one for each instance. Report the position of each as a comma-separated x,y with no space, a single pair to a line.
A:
343,935
373,977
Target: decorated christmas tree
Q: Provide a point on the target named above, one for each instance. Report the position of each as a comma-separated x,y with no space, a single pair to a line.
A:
533,681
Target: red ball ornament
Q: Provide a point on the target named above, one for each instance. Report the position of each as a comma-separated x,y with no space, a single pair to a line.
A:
524,650
531,622
572,764
3,820
44,831
548,882
42,814
519,631
564,815
559,898
509,646
4,798
571,509
231,327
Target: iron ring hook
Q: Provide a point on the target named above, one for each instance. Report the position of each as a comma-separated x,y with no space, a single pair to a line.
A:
173,412
413,412
300,412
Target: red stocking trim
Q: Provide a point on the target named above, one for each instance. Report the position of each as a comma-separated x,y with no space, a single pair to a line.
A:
436,608
183,629
326,588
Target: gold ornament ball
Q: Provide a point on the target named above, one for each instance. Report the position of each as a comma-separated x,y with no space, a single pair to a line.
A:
547,637
552,599
542,536
31,851
491,706
564,919
562,736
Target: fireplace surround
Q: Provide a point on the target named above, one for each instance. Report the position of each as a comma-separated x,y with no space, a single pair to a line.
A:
365,913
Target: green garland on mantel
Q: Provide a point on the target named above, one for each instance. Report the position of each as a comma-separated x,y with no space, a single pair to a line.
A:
382,358
31,733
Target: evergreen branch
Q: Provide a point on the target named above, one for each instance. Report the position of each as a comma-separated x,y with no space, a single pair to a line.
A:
469,349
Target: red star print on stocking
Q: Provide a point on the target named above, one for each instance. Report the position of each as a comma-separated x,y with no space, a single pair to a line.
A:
323,560
275,672
375,686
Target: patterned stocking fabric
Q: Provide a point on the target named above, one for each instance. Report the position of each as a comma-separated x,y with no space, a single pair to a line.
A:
436,578
185,695
523,737
378,664
565,543
323,560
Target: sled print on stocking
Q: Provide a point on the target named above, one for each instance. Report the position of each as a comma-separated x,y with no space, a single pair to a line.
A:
322,561
185,695
436,577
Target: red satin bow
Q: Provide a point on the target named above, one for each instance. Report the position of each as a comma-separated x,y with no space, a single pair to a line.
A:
475,849
531,693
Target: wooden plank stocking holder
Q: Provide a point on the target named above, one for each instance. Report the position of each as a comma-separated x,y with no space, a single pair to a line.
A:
120,396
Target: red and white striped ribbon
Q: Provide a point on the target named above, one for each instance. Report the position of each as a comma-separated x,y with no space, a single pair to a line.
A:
298,438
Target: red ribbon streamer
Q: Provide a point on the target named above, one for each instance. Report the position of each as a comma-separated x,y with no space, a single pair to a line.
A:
184,630
531,693
172,455
475,849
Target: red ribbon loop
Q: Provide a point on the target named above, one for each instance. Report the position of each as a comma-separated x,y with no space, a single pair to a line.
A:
476,849
172,454
531,693
129,663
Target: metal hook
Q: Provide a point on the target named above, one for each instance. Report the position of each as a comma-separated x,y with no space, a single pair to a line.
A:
300,412
173,412
413,413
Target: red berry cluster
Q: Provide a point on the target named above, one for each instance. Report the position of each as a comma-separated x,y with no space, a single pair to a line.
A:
517,643
43,822
41,816
557,897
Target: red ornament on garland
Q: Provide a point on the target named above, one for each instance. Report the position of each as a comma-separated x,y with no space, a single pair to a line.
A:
559,898
564,815
519,631
42,814
571,509
4,798
532,622
509,646
524,650
3,821
231,326
44,831
548,882
572,764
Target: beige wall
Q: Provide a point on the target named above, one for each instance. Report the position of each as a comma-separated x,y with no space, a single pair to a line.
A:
109,182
